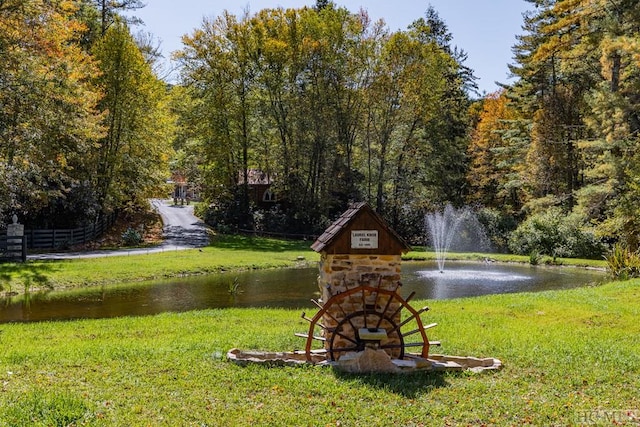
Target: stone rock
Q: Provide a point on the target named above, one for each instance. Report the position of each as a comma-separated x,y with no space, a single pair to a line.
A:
367,361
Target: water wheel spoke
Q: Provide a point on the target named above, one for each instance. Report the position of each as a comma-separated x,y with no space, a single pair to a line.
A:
315,337
320,325
415,331
403,345
322,309
345,315
402,304
364,308
343,349
386,307
401,324
346,337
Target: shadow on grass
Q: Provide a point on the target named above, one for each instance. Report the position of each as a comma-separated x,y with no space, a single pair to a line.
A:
23,276
260,244
408,385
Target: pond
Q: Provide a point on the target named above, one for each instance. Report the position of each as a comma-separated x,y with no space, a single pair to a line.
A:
286,288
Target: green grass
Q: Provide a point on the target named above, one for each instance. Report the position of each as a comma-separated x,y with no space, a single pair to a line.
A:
564,352
225,253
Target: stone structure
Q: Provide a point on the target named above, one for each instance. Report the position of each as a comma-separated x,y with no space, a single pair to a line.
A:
360,249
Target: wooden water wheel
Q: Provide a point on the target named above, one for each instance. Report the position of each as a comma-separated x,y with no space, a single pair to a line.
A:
377,322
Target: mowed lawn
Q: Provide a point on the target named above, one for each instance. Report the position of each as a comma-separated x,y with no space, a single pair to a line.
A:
224,254
566,354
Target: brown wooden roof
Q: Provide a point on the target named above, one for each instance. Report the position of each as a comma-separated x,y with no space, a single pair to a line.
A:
335,238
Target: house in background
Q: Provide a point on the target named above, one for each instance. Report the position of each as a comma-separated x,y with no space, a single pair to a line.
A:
260,191
183,190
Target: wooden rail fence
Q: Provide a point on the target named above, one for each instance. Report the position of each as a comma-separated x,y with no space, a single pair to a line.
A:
65,238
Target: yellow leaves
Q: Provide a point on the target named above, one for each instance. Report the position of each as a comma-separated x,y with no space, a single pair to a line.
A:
310,44
68,6
275,50
61,160
627,47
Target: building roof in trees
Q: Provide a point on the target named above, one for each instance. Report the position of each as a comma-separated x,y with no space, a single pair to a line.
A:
256,177
360,216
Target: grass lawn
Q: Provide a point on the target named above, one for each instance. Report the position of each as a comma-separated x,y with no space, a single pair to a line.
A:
565,352
225,253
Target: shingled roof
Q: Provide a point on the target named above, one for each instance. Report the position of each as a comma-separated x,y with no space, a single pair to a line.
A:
344,221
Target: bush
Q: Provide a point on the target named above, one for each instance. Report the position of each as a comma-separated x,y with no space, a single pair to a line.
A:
498,227
272,220
534,258
555,234
623,263
132,237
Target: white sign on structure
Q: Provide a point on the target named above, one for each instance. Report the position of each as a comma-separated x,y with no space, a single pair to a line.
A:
364,239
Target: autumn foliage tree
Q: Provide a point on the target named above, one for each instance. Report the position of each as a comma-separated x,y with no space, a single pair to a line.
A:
49,121
577,95
493,163
68,98
132,158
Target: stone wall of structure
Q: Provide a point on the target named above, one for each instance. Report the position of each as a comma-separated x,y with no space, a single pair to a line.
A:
339,274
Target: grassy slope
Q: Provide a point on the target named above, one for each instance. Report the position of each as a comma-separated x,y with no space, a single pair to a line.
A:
564,352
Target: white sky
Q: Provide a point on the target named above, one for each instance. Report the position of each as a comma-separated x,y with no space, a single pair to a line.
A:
484,29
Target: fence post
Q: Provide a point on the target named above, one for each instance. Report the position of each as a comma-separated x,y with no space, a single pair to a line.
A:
15,240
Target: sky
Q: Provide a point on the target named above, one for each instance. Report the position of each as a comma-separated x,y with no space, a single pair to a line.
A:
485,29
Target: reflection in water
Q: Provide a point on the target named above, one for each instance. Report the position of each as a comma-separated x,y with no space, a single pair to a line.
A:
452,283
473,275
288,288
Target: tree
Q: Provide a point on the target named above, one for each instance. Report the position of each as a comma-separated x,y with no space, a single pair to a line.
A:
408,82
132,159
220,72
447,132
111,12
551,95
48,116
490,168
333,107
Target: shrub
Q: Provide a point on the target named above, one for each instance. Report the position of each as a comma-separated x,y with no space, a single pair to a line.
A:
132,237
535,258
623,263
555,234
271,220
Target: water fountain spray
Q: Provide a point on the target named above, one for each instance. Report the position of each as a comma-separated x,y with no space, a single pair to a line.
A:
443,227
